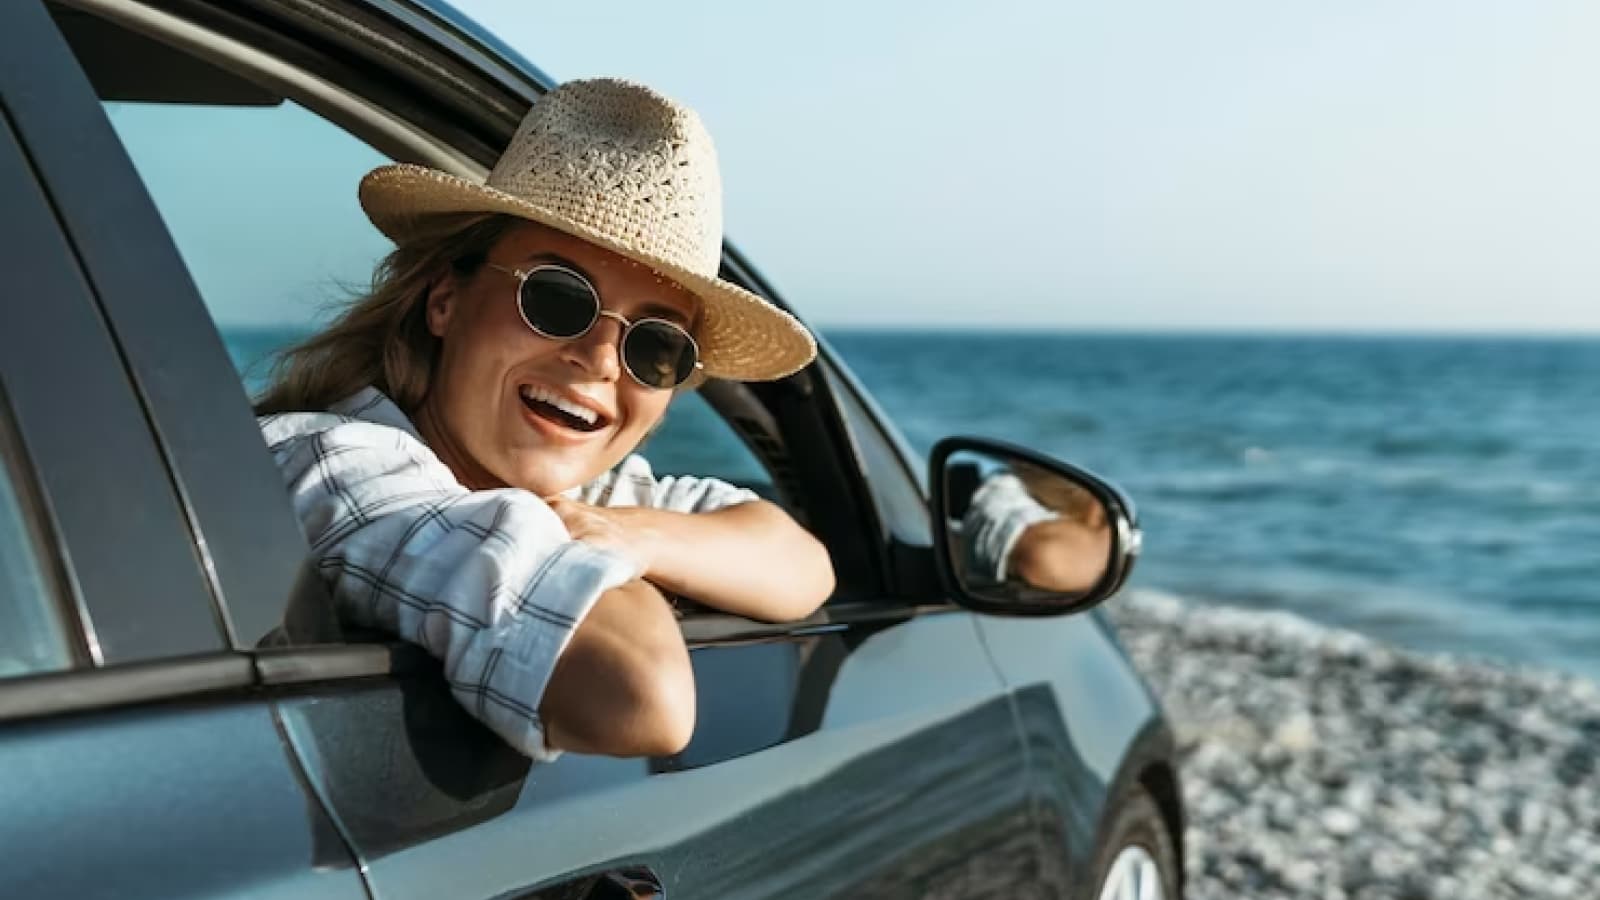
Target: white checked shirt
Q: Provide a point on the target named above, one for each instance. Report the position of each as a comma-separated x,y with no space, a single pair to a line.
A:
490,582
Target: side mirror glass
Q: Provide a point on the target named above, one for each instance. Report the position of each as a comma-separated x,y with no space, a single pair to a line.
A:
1019,533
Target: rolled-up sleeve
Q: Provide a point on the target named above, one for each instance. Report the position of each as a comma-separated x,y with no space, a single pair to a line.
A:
633,483
687,493
489,582
1000,511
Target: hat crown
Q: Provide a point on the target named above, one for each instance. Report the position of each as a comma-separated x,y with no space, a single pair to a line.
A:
625,161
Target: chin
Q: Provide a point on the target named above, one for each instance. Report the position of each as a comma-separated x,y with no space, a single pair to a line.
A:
545,479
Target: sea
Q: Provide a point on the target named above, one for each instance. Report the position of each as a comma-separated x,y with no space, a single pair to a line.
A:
1438,493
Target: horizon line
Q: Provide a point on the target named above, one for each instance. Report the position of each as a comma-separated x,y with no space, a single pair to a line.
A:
1578,333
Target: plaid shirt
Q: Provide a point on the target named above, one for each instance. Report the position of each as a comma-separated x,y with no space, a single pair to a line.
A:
489,582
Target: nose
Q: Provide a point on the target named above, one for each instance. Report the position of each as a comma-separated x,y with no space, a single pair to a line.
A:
598,352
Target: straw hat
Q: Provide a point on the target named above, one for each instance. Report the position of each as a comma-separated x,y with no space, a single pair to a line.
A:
623,167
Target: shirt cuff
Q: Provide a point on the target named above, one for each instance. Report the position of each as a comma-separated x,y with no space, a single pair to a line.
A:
517,655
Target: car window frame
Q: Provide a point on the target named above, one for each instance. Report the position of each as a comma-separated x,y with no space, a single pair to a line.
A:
202,423
116,537
122,528
905,534
876,440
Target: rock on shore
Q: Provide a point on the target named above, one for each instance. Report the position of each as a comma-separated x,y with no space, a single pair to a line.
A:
1318,763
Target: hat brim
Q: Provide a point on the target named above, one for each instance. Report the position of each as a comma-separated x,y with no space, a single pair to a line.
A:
741,336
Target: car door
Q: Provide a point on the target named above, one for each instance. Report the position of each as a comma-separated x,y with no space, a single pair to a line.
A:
867,751
137,760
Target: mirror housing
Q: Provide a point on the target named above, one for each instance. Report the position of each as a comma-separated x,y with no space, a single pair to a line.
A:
1018,533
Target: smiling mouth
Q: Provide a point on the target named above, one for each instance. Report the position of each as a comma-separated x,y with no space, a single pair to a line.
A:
554,408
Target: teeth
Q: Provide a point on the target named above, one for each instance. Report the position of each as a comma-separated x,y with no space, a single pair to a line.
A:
567,406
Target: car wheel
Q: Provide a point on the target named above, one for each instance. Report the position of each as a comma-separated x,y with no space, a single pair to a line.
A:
1137,860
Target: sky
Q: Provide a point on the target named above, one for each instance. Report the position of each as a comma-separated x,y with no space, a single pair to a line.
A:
1249,165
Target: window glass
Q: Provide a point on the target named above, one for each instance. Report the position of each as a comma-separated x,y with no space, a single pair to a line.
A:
32,637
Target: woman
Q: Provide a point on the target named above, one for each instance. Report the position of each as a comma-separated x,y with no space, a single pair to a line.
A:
458,444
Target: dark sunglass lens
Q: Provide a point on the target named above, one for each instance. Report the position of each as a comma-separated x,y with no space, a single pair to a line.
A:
558,303
658,354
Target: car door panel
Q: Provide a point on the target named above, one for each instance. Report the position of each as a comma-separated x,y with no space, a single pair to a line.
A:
167,801
910,774
910,787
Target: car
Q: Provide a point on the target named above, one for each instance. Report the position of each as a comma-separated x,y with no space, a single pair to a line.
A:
182,715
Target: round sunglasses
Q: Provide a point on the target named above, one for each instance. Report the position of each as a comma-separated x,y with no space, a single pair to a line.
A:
558,302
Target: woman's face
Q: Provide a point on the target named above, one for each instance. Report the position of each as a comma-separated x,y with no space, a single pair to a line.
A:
483,414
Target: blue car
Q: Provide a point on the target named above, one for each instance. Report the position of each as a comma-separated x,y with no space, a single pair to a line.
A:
182,716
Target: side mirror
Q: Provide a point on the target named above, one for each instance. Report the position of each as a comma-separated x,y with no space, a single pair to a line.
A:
1018,533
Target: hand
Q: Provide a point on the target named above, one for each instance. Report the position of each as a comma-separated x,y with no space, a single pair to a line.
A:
624,531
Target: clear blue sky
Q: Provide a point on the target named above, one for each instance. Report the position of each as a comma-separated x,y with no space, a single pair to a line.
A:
1258,164
1255,164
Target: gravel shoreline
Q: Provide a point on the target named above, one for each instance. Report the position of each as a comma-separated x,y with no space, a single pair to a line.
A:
1318,763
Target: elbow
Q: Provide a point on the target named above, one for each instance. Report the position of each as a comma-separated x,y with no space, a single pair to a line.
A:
802,576
820,580
1043,575
1060,566
673,733
661,713
808,583
638,707
624,686
811,584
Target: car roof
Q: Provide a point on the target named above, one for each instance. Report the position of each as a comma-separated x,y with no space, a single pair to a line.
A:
468,28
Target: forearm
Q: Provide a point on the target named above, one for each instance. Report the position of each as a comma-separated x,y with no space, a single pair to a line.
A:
623,686
750,560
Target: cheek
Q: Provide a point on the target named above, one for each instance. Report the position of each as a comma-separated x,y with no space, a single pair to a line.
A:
646,410
486,349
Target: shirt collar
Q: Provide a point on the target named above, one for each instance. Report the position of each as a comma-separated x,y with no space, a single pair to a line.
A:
371,405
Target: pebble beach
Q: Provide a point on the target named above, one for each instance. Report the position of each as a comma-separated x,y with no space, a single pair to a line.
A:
1320,763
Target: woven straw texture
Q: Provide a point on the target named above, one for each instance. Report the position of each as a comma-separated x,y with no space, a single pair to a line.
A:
623,167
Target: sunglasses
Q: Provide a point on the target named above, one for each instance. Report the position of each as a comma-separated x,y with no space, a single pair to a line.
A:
557,302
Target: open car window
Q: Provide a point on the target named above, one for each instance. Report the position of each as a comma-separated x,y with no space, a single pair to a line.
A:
258,192
299,245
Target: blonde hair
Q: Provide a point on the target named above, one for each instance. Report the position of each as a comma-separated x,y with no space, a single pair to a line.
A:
382,338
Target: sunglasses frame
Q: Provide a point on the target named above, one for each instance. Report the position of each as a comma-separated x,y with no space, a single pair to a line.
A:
600,312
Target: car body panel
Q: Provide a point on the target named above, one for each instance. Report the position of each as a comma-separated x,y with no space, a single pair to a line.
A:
802,746
167,801
1089,724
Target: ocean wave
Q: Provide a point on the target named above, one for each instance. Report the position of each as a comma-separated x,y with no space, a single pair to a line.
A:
1472,447
1266,474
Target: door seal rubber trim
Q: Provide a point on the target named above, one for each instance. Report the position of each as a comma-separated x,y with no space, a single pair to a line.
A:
87,690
